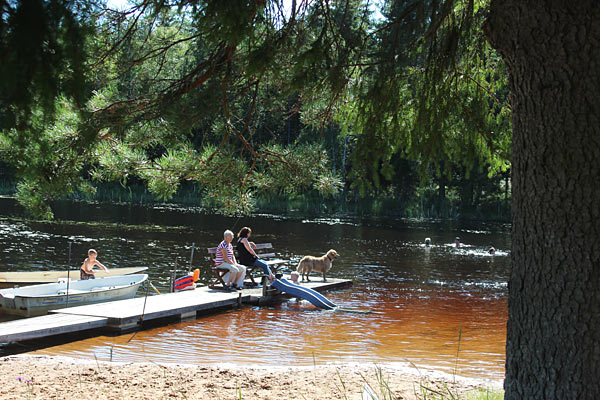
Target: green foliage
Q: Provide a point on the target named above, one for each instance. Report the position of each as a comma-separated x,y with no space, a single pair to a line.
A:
296,169
42,56
49,161
434,94
248,100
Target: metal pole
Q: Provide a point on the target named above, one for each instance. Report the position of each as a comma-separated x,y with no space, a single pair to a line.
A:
173,276
172,279
141,320
192,256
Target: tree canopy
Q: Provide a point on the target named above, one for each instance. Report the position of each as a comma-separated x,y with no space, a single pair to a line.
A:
216,92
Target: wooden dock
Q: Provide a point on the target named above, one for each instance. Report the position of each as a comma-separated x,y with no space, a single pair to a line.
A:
123,315
47,325
126,315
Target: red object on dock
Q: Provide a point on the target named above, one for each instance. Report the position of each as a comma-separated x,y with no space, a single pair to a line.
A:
183,283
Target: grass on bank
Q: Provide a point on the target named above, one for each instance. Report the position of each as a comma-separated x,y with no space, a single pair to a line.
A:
486,394
431,391
446,393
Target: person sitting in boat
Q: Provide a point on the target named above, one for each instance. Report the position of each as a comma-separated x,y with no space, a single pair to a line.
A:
248,256
224,258
86,271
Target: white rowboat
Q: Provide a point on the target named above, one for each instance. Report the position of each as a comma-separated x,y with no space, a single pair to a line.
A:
39,299
10,279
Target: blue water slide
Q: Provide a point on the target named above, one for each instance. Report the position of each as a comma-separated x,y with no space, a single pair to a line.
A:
316,298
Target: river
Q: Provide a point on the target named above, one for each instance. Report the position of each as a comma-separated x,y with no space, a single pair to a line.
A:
438,308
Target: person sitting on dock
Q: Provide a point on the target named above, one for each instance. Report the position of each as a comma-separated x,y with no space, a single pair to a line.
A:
86,271
294,276
225,259
248,256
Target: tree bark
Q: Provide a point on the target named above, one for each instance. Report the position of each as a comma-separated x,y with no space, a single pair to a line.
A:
552,50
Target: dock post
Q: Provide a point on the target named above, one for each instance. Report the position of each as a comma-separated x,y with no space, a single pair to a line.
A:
173,276
192,255
187,315
264,284
239,300
172,280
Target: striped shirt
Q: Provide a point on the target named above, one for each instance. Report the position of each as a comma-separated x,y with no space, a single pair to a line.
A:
219,255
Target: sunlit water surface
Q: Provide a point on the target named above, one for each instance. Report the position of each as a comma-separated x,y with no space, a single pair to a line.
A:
439,308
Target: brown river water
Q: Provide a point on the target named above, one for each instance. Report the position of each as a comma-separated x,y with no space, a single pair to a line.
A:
441,309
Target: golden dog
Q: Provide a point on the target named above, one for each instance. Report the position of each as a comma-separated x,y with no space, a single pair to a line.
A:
318,264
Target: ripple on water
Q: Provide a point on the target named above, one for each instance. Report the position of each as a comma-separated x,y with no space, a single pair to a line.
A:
421,329
420,298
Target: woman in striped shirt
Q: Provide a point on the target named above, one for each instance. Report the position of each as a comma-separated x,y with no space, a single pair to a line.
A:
225,259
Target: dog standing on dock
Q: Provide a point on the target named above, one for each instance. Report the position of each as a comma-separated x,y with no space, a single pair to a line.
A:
318,264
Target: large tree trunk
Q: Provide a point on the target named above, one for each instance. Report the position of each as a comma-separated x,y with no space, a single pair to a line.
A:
552,49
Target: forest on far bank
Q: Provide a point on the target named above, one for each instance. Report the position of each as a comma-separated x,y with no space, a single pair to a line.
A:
478,197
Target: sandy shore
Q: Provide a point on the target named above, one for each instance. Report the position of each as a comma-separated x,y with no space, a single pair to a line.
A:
40,377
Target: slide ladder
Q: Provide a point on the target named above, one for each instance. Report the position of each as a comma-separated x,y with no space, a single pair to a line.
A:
316,298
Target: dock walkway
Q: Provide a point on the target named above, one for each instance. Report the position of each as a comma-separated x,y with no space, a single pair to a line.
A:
124,315
47,325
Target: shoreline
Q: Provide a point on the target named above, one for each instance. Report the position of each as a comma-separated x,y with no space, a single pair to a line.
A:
292,214
47,377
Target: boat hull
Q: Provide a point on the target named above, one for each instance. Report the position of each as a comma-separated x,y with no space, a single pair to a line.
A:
12,279
39,299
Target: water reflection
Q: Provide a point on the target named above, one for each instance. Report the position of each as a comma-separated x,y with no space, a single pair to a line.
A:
418,326
421,297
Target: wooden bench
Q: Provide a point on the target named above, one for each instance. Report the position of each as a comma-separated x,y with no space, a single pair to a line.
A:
263,250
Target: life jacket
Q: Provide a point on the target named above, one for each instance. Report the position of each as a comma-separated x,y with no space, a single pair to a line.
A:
183,283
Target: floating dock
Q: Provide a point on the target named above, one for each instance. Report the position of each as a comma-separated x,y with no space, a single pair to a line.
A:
127,315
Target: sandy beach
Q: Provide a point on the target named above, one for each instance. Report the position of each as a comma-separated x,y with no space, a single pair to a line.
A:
41,377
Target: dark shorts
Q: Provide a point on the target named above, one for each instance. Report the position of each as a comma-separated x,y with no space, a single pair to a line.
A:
85,276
